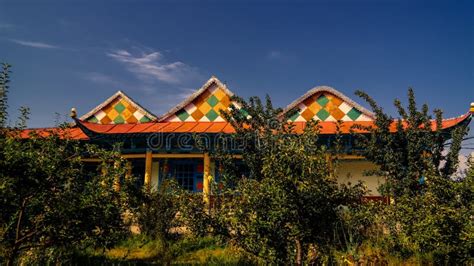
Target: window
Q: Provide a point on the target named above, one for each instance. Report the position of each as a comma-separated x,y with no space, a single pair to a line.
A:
184,174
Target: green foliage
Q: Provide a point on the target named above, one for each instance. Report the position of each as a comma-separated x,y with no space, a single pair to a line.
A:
255,130
290,202
437,223
49,206
357,224
47,203
402,155
4,86
194,217
155,210
430,219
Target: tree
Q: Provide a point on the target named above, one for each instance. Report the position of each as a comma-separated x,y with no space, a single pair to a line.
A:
402,155
432,213
50,204
435,225
289,202
4,85
155,210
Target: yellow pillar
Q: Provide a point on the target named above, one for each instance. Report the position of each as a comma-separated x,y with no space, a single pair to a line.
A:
206,178
148,161
155,175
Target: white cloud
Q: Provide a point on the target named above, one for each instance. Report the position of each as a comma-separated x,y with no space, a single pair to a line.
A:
150,66
274,55
40,45
101,78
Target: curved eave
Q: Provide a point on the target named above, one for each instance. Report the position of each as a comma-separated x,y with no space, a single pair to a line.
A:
93,130
66,133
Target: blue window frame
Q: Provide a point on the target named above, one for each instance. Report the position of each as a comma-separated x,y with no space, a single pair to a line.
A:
188,173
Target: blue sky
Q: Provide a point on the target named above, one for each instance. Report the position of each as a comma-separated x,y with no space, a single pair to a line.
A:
77,53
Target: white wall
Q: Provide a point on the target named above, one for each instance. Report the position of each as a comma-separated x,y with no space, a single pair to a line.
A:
353,171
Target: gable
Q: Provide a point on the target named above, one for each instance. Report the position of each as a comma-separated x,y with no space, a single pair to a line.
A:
327,104
203,106
119,109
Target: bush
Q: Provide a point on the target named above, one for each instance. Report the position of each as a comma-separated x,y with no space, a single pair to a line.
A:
194,216
155,210
48,205
288,205
436,224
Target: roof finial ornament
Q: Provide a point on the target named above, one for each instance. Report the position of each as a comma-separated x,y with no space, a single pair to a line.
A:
471,110
73,113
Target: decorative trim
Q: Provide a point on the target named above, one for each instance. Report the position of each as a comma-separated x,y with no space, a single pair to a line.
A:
190,99
112,98
331,90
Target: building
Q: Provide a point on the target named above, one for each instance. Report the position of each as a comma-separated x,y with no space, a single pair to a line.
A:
159,147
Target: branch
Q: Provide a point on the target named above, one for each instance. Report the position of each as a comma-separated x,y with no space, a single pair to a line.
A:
20,217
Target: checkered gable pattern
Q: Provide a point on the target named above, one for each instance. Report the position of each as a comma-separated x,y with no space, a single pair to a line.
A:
119,111
204,108
327,107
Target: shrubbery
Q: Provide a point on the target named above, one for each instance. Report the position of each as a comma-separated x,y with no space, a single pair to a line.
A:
50,206
155,210
431,212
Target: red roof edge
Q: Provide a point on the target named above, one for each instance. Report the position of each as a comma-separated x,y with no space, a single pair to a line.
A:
225,127
67,133
84,130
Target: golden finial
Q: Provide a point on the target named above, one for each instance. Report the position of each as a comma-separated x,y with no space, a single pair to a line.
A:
73,112
472,108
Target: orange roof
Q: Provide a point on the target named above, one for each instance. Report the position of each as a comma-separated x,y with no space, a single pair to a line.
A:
73,132
225,127
209,127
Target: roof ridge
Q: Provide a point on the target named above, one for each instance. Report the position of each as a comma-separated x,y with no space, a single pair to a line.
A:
113,97
454,117
331,90
194,95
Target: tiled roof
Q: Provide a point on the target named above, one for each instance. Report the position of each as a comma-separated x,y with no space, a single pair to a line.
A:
206,127
118,109
327,127
73,132
199,113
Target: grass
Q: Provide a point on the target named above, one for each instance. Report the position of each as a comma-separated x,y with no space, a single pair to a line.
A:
138,250
212,256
